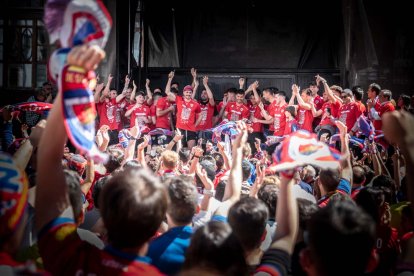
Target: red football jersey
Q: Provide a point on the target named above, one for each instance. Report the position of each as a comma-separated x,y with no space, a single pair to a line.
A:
271,108
349,114
138,115
186,113
318,101
109,114
163,121
279,120
305,119
255,112
207,113
383,108
236,112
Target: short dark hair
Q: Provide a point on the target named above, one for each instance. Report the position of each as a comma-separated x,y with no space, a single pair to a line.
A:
313,83
387,94
291,109
281,94
97,189
175,82
133,204
174,90
306,209
272,90
358,175
336,230
240,92
72,180
329,179
184,154
183,199
131,164
115,157
370,199
406,100
375,87
215,248
219,160
231,90
220,189
358,93
268,194
337,88
248,217
307,91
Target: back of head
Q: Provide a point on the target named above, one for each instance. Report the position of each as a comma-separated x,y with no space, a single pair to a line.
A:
291,109
246,170
341,231
329,178
169,159
183,199
133,204
358,93
358,175
306,209
215,248
97,189
219,160
115,156
268,194
248,218
184,155
387,94
371,199
75,192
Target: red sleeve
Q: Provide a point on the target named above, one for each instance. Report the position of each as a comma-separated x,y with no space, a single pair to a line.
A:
161,103
197,109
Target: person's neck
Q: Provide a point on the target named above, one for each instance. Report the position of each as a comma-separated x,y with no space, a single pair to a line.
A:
172,224
253,257
282,103
187,99
139,251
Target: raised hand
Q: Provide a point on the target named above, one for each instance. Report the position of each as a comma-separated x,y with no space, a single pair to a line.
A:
241,138
144,142
242,81
37,132
319,79
85,56
295,89
205,80
110,77
171,75
194,73
178,136
134,85
127,80
342,127
255,85
147,83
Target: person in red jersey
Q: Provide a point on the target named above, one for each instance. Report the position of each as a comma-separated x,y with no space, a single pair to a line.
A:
256,116
376,112
229,96
317,100
269,95
236,111
304,112
373,101
108,111
188,111
358,95
349,112
139,113
128,192
291,123
327,124
207,105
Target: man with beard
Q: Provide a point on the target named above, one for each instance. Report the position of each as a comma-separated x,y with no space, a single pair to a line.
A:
187,109
207,106
236,111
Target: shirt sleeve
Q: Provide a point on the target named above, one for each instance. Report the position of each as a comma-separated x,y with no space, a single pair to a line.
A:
375,114
345,186
274,262
59,244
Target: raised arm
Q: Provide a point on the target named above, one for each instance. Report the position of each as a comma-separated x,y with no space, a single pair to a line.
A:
51,194
124,91
227,161
168,86
301,102
326,87
90,175
242,81
105,92
209,92
346,172
148,90
195,87
98,90
286,215
133,93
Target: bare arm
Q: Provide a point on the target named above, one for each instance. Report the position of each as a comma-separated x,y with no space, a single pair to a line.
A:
105,92
129,111
133,93
208,90
286,217
227,161
301,102
90,175
346,164
168,86
97,94
160,112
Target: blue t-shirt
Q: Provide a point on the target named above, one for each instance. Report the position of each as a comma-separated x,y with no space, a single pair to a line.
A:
168,251
305,186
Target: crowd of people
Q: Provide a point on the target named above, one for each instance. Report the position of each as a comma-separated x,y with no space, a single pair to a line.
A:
177,197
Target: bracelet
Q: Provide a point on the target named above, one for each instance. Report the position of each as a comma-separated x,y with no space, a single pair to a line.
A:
209,192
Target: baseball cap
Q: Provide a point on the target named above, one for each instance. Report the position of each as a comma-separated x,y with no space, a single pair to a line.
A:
188,88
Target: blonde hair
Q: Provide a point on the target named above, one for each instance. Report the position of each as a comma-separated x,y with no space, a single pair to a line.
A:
170,159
